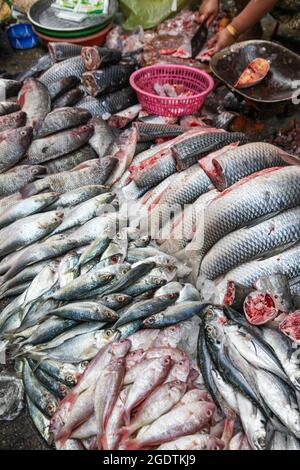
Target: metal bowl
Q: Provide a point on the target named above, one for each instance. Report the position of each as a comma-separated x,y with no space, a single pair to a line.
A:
280,84
43,17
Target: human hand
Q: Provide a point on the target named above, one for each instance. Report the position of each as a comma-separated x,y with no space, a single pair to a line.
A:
223,39
208,11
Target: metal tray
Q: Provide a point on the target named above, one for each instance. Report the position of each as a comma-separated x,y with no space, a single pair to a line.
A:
280,84
42,16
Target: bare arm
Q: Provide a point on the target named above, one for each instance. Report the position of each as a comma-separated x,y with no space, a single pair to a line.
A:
252,14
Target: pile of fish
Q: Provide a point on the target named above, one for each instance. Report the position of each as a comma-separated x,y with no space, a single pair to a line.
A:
137,393
109,218
252,373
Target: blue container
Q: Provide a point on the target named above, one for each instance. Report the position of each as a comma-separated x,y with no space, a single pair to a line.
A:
21,36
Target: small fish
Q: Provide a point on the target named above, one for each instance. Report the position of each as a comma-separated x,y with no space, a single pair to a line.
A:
16,178
70,160
42,64
40,421
8,107
174,314
86,311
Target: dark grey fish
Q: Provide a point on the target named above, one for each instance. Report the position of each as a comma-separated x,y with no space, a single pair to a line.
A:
71,160
69,98
174,314
61,86
70,67
194,148
148,132
12,121
108,79
63,50
9,88
58,389
7,107
61,119
42,64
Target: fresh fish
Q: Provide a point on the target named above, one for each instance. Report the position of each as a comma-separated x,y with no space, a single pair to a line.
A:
77,196
96,248
286,263
191,184
116,301
230,167
153,170
61,86
26,207
92,105
125,117
40,421
124,156
192,418
59,331
71,160
257,196
107,390
93,172
159,402
58,389
274,392
28,274
249,243
108,79
69,98
16,178
17,290
92,280
39,395
114,102
85,311
102,141
59,144
86,429
9,88
28,230
68,268
13,146
12,121
146,308
35,101
226,391
112,436
60,51
95,57
62,119
286,353
253,422
71,67
8,107
150,132
63,372
174,314
42,64
136,271
85,211
42,251
189,151
153,375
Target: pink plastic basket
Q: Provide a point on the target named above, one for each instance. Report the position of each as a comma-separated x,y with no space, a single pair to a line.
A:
196,81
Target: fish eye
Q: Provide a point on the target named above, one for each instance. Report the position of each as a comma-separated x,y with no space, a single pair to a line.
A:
150,320
84,364
51,408
120,298
23,133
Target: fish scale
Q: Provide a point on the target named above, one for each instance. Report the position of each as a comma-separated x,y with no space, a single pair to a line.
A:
156,170
257,196
198,146
287,263
249,242
70,67
108,79
245,160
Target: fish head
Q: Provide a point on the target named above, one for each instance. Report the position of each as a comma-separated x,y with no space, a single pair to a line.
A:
134,357
110,315
177,389
215,444
121,347
213,326
105,277
51,406
24,136
153,320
